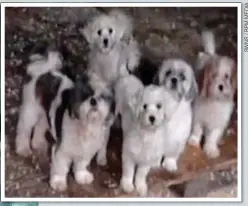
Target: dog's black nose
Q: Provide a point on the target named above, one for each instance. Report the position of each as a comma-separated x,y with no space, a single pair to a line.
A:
93,102
152,119
174,81
221,87
105,42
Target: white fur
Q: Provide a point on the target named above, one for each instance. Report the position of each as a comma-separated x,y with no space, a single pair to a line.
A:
40,64
213,108
122,52
208,42
143,142
179,126
81,140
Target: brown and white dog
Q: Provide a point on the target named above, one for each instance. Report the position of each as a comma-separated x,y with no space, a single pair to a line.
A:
214,105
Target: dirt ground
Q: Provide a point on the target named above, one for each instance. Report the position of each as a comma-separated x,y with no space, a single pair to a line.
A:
165,32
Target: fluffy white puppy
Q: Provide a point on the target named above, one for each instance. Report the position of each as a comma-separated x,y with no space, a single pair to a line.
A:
82,133
113,51
178,78
143,115
214,106
40,97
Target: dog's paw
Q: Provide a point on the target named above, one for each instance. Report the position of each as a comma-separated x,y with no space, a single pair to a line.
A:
127,185
58,182
23,150
170,164
194,141
101,159
211,151
141,188
84,177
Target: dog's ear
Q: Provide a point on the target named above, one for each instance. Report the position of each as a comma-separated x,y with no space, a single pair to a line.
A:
193,90
72,104
205,77
234,77
86,31
134,101
155,80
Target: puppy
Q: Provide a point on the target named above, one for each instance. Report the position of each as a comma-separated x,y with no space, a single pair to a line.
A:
214,106
83,132
113,51
178,78
40,98
143,119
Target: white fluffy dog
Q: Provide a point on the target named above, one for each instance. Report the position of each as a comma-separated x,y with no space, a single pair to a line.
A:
178,78
214,106
83,132
40,98
113,51
143,111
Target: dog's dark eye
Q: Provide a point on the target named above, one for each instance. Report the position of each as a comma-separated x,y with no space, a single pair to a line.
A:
226,76
145,106
182,77
159,106
168,73
99,32
110,31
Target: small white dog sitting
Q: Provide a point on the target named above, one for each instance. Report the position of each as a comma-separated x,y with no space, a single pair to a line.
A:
40,97
178,77
83,132
113,51
143,111
214,106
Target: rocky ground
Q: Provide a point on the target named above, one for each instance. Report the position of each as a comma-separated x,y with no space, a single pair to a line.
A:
164,31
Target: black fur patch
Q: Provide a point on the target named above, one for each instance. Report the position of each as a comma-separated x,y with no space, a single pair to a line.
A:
146,71
60,113
46,90
81,91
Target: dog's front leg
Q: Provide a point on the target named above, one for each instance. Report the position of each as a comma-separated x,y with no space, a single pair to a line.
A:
211,143
82,175
101,157
128,169
140,179
60,166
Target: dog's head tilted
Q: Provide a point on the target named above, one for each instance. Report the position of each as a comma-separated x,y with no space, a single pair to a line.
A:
90,104
178,77
105,30
152,106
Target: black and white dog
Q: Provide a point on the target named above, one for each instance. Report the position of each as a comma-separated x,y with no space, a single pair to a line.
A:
78,113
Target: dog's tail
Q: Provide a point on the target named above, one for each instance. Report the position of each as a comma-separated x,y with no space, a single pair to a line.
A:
208,42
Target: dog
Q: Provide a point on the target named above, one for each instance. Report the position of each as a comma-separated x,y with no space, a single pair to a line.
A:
177,76
214,105
113,50
40,98
88,113
144,111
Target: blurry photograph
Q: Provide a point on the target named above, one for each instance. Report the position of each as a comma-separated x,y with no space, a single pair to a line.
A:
121,102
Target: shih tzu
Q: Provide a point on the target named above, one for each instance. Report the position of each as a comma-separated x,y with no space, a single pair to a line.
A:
40,98
144,111
83,131
113,50
178,78
214,105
